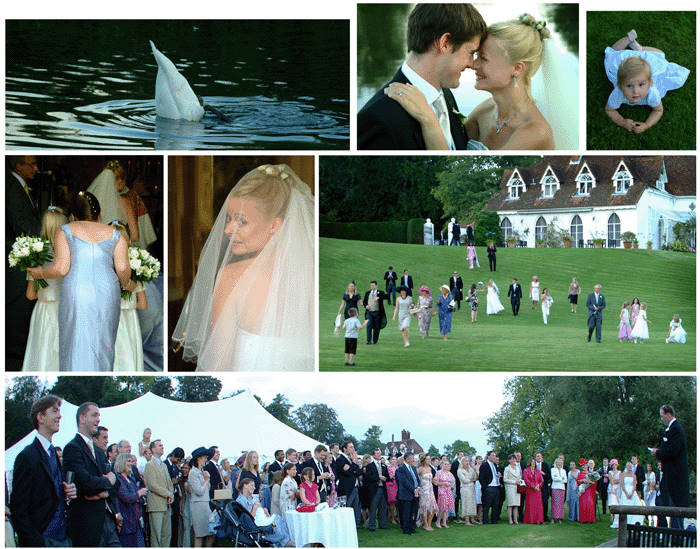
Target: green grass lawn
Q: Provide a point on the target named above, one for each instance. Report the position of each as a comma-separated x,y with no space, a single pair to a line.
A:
567,534
671,32
665,280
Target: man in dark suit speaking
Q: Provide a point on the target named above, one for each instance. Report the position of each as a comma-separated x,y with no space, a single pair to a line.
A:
442,40
39,494
673,455
595,303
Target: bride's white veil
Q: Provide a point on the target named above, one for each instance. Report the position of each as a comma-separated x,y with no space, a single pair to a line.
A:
104,187
267,319
555,91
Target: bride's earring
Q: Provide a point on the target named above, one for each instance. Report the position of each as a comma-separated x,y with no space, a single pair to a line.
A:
515,81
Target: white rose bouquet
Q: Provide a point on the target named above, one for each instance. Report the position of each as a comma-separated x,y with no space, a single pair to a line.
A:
144,267
30,251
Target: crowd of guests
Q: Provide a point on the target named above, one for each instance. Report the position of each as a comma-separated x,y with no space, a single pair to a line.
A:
93,494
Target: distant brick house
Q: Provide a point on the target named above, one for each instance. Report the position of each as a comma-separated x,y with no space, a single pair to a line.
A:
597,197
401,446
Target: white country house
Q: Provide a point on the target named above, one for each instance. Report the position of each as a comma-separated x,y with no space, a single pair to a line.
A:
597,197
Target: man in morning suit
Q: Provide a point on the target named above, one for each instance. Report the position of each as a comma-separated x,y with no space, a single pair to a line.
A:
374,312
546,471
407,494
321,474
173,464
407,281
515,293
442,40
454,468
490,487
456,287
375,477
347,472
640,475
602,484
673,455
595,303
22,216
390,279
217,477
160,496
278,463
87,513
113,519
38,505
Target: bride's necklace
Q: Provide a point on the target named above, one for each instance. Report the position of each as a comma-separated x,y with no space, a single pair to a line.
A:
516,112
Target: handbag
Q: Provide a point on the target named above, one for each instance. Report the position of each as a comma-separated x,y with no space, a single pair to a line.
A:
521,488
222,493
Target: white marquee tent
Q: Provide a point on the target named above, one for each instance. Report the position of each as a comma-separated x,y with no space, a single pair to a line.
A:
234,424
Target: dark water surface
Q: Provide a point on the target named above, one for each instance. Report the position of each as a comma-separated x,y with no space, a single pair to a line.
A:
91,84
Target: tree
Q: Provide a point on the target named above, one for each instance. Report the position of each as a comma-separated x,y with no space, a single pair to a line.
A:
467,183
433,450
371,441
197,388
459,446
162,386
487,228
19,397
280,408
319,422
592,416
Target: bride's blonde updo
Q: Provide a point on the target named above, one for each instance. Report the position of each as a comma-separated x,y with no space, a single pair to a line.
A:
116,167
522,40
270,186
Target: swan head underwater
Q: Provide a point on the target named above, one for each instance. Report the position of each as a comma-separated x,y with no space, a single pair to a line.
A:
174,97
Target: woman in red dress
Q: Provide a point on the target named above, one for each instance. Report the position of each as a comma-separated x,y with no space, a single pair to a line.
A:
586,501
533,497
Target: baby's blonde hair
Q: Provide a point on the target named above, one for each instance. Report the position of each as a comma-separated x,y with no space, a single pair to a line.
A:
643,306
270,187
51,221
631,67
520,42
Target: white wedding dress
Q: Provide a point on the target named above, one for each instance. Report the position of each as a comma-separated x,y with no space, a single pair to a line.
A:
493,304
128,348
41,353
628,483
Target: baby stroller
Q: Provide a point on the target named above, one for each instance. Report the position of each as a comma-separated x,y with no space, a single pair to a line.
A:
232,527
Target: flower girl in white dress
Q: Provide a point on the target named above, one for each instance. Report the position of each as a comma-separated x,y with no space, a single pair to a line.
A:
640,330
128,349
42,344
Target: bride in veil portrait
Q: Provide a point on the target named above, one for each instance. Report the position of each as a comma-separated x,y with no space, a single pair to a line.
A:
251,306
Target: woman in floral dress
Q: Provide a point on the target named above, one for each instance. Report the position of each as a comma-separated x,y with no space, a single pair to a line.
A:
425,311
427,506
392,489
446,502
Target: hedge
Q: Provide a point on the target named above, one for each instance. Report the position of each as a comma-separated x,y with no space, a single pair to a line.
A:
401,232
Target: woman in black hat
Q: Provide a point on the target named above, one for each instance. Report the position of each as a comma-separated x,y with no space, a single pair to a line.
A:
198,483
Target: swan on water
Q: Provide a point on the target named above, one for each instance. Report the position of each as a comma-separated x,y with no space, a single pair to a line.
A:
174,96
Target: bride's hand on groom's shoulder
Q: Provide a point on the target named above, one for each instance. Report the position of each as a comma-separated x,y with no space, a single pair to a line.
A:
411,99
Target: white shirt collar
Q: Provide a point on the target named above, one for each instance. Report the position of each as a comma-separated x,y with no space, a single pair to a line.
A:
426,88
87,440
45,442
19,178
670,423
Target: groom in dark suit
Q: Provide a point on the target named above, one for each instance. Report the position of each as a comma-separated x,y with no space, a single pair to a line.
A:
515,293
21,217
673,455
374,312
442,40
595,303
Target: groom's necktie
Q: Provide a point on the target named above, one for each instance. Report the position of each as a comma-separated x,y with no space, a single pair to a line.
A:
443,119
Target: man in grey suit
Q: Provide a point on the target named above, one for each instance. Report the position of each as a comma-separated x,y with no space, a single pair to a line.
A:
595,305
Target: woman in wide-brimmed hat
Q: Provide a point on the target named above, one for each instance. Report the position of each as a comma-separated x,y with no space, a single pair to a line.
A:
425,311
198,484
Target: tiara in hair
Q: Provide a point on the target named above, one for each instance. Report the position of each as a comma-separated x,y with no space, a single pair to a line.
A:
273,170
539,26
51,208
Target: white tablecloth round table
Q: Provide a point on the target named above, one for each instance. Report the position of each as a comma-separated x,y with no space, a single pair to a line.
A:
331,527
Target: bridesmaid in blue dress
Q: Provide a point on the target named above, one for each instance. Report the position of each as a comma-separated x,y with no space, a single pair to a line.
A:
93,259
444,311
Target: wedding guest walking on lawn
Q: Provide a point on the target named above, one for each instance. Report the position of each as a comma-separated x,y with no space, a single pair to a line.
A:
595,303
445,311
640,331
574,292
625,328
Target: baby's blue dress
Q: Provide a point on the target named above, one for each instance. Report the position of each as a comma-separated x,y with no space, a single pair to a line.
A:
666,76
89,308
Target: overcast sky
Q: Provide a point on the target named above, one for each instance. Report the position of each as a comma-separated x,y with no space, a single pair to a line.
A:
436,408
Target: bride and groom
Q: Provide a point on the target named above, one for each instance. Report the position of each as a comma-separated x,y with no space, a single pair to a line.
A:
417,110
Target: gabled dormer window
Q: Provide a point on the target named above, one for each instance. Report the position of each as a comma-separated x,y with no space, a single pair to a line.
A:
622,180
584,181
549,183
516,185
663,178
